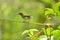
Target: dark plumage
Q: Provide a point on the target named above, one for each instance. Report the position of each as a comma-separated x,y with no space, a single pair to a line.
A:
24,16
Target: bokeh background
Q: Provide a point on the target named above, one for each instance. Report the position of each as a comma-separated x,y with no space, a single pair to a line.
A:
11,26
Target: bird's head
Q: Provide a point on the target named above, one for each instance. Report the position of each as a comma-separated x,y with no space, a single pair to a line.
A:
20,13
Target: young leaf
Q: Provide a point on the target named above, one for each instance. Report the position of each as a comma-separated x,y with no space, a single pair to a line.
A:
26,31
57,7
49,11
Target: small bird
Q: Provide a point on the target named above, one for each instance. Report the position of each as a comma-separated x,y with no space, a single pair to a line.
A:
24,16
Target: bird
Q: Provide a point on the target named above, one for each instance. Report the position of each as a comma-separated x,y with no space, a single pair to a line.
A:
24,16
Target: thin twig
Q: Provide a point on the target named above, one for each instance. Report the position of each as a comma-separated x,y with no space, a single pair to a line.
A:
2,19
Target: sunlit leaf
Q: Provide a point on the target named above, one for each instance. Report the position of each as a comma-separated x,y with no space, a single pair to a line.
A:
33,30
59,27
48,31
49,11
26,31
56,33
57,7
29,32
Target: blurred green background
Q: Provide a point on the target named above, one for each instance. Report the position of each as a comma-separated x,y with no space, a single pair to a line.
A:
11,26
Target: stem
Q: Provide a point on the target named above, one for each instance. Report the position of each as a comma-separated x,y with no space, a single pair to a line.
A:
49,37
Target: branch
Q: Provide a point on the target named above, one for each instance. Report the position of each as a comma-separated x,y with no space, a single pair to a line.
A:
3,19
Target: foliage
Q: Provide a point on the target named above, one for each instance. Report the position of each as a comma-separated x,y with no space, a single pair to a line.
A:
12,26
29,32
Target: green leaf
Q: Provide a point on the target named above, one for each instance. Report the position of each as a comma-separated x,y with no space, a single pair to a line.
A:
29,32
56,33
49,11
26,31
48,31
59,27
33,30
57,7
